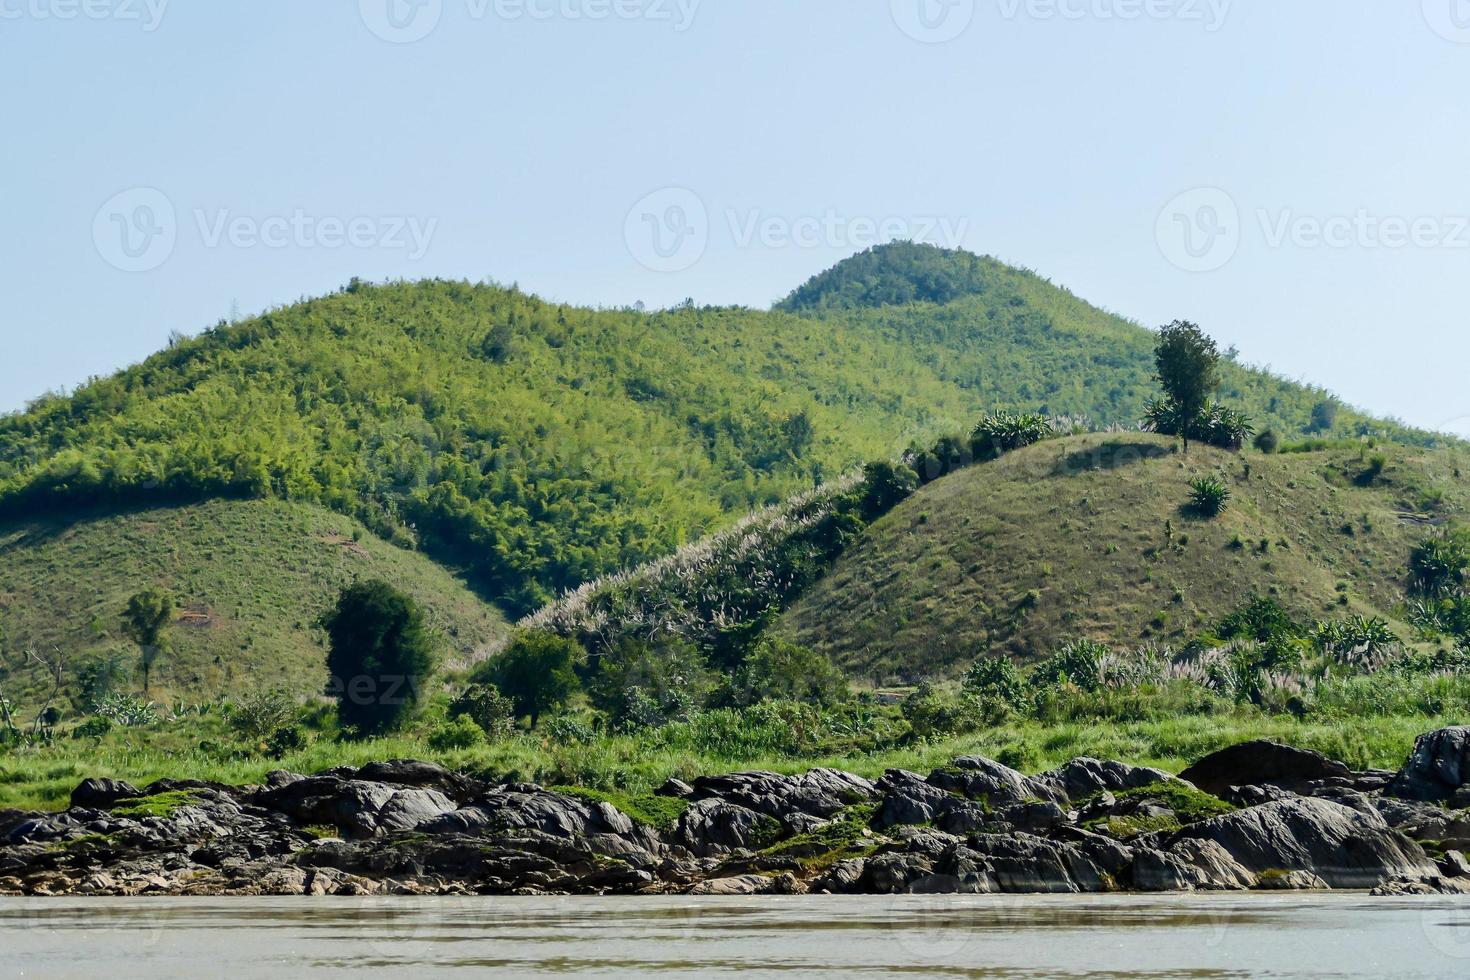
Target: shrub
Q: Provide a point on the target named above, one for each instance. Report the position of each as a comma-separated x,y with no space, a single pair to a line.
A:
778,670
94,727
568,731
1440,564
640,685
100,676
127,711
1268,442
537,672
996,679
1002,432
487,709
931,714
1355,638
379,655
1208,496
460,733
285,740
1079,663
256,716
885,485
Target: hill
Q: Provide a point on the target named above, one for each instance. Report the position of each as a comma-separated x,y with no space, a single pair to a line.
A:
250,577
1088,537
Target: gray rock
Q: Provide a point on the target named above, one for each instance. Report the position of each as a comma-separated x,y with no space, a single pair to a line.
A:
1084,777
820,793
1346,848
909,799
409,809
1291,881
713,827
978,778
1438,767
1189,865
102,794
1262,763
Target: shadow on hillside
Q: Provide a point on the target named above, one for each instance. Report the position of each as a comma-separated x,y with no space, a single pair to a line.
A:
1112,455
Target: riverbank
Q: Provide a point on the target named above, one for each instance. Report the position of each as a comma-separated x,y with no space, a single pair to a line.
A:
1257,815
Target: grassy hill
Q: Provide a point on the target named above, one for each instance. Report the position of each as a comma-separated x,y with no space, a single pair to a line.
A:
1087,537
250,577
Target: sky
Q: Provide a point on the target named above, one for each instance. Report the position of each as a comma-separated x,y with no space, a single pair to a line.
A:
1290,175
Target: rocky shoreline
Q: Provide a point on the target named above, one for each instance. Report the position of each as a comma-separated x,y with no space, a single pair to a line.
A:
1255,816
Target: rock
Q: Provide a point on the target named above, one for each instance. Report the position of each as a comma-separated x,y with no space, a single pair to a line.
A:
1024,864
102,794
1437,769
1262,763
1084,777
713,827
742,885
1346,848
1035,818
978,778
410,809
1291,881
1432,885
1454,865
842,878
909,799
674,788
820,793
1189,865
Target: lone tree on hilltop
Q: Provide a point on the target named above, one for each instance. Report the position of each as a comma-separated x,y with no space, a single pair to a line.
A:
1188,371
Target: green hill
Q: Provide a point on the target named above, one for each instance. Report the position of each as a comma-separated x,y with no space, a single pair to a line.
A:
250,578
1089,537
525,446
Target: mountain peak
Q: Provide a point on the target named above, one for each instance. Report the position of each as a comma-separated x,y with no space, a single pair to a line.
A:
895,274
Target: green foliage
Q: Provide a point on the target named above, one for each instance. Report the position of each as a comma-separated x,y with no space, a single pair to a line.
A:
490,711
537,672
1368,635
100,675
95,727
1188,371
778,670
147,616
1262,619
1441,563
254,717
884,486
285,740
1208,496
161,805
996,679
457,734
933,714
126,711
1268,442
379,655
897,274
1079,663
661,813
1324,415
1003,432
643,685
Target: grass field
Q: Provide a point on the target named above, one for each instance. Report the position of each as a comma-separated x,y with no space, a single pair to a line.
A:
1091,537
250,579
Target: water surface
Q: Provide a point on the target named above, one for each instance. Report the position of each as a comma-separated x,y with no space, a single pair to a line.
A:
1337,936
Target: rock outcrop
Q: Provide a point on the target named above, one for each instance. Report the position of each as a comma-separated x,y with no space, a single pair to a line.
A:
1295,820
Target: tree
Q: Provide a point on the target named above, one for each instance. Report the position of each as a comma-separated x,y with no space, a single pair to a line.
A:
1188,371
537,672
1324,415
379,654
147,616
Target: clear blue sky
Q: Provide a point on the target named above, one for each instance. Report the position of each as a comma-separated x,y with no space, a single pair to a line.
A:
1163,158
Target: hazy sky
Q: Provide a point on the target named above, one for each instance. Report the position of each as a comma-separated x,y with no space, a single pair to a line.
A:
1294,175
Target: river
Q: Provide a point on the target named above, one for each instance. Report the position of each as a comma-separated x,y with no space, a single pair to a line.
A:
1285,936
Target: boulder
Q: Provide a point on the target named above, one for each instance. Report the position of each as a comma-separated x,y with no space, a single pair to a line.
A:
1262,763
1437,769
1189,865
978,778
102,794
820,793
1084,777
713,827
1345,847
909,799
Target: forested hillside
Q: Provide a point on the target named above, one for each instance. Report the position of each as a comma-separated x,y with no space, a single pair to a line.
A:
534,446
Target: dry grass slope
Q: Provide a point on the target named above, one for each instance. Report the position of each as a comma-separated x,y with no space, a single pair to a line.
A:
250,578
1090,536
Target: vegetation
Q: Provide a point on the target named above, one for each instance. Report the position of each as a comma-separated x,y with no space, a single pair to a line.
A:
1208,496
145,619
379,658
536,672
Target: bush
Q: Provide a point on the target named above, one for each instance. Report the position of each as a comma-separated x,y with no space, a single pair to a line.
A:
284,741
1003,432
256,716
1440,564
569,731
487,709
781,671
127,711
1079,663
1261,619
1268,442
931,714
460,733
379,655
537,672
996,679
94,727
1208,496
885,485
639,685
